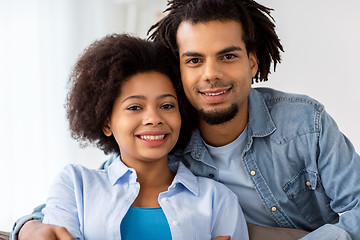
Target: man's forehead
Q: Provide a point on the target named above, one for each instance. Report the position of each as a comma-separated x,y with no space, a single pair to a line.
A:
214,36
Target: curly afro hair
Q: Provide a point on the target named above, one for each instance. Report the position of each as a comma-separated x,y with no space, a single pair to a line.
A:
96,80
259,28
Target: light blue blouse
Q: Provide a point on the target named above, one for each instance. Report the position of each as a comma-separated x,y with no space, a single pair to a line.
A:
92,203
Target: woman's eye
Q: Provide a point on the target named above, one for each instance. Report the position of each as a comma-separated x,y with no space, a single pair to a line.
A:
133,108
167,106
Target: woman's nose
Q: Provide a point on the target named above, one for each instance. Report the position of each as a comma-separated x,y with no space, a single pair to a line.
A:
152,117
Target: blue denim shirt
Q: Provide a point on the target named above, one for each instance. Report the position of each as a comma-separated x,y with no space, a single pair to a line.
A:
304,169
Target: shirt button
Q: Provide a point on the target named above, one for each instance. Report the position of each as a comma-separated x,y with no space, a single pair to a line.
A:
274,209
211,175
308,183
164,199
252,172
175,223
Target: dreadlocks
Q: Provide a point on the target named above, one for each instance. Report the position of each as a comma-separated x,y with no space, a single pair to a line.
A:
259,28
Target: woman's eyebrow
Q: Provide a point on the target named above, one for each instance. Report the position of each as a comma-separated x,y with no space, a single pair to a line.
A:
166,95
134,97
142,97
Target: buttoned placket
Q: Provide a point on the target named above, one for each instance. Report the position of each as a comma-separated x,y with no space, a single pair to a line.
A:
266,196
165,204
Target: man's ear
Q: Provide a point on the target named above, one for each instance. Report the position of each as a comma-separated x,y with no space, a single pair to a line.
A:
253,63
106,129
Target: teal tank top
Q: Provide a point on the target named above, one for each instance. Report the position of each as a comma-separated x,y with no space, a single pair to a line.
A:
145,224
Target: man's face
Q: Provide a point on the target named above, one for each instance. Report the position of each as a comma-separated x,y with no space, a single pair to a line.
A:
216,70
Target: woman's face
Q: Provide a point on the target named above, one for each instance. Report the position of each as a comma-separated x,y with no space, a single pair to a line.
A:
145,119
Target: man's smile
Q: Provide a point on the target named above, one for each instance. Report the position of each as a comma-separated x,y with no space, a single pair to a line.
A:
214,93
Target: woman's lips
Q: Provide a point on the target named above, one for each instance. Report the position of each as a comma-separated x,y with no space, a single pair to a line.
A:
153,139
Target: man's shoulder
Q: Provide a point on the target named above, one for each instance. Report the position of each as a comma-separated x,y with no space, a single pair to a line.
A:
273,97
293,115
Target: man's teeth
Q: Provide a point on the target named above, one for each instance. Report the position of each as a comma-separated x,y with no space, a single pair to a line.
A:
152,137
215,94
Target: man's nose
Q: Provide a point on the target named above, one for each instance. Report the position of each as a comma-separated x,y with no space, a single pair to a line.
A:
212,71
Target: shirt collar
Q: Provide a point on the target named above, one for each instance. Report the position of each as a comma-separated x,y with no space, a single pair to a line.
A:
118,170
260,122
185,177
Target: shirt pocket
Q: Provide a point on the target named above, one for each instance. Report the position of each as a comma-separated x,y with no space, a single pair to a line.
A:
308,195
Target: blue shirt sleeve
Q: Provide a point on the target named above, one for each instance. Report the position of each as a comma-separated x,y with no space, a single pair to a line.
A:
230,221
328,232
38,215
61,208
339,167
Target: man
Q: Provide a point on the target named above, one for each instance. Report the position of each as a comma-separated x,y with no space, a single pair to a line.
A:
282,154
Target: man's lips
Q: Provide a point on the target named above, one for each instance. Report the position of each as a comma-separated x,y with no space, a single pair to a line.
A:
215,96
212,92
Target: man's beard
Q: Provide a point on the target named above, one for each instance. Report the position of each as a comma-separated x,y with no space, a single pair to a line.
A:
216,117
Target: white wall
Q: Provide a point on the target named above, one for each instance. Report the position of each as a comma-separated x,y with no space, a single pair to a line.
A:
321,40
40,42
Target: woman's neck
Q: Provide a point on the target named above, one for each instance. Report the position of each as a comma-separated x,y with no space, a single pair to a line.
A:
154,177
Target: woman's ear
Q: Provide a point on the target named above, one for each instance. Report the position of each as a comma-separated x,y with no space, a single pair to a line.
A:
106,129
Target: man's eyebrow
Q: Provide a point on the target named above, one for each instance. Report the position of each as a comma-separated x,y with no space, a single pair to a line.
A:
225,50
229,49
191,54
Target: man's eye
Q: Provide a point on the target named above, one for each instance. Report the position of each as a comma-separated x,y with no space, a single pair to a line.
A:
133,108
193,61
167,106
228,56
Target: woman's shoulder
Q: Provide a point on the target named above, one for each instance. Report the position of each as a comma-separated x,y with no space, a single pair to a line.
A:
214,186
79,173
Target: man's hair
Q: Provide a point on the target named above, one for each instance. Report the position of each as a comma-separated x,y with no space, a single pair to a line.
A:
258,26
96,82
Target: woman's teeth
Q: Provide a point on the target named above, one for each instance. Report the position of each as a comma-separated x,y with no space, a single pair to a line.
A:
152,137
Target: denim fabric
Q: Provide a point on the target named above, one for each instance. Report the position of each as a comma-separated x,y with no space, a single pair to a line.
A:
91,204
36,215
304,169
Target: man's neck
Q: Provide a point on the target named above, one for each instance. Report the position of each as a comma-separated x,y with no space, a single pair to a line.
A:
222,134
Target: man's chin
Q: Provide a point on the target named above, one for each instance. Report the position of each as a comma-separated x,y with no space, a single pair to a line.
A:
219,116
